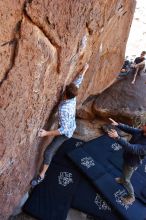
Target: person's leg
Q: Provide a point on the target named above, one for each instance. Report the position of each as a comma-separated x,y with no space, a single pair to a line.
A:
48,155
120,179
127,174
43,170
135,75
141,69
50,152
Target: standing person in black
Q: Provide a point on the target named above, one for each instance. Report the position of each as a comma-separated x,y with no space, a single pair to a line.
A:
134,152
139,65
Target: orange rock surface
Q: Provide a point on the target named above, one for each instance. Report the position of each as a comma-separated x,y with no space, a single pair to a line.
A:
43,45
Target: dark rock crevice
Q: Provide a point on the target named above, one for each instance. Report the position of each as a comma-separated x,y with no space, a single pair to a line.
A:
14,43
124,13
52,41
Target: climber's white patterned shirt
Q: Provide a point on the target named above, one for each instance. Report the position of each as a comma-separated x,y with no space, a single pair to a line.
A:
67,113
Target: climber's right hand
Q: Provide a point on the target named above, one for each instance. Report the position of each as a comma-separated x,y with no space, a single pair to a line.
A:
42,133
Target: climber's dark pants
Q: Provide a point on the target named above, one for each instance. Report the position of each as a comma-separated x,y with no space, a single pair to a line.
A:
52,148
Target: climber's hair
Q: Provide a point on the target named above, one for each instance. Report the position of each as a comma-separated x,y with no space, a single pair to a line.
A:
143,53
71,91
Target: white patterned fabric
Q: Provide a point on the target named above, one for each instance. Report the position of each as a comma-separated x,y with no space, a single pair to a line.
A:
101,204
67,113
87,162
65,178
119,195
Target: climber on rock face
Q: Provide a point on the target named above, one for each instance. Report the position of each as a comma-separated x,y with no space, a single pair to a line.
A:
67,122
134,152
139,65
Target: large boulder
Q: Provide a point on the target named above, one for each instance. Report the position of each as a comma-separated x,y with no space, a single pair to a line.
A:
123,101
43,45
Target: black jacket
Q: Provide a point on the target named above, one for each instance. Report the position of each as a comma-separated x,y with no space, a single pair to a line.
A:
135,149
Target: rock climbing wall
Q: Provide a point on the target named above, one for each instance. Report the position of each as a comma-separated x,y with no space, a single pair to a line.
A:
43,44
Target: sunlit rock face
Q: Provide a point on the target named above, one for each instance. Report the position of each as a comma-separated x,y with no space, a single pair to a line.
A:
43,45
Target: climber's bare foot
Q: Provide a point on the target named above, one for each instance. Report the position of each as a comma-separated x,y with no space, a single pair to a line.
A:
128,200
